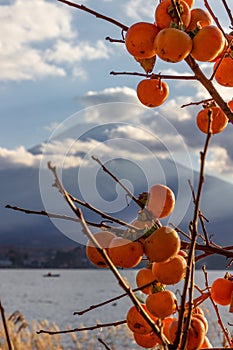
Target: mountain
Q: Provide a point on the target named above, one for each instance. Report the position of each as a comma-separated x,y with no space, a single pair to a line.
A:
28,188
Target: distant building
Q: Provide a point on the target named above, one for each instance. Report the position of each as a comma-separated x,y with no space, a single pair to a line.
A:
5,263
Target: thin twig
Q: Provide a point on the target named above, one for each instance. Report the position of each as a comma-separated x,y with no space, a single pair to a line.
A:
102,214
91,328
111,40
210,250
104,344
96,14
8,340
201,219
228,11
102,224
153,75
214,17
129,193
92,307
196,103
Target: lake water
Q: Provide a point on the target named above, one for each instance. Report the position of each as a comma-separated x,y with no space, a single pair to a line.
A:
55,299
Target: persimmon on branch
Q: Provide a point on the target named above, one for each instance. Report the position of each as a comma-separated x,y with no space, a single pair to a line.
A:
208,249
199,75
225,332
106,257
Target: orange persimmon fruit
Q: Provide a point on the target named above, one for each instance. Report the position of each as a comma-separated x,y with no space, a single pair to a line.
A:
206,343
143,277
190,3
125,253
166,324
165,13
199,17
207,43
161,201
161,304
218,120
203,319
136,322
103,238
223,71
152,92
230,105
147,340
196,334
172,45
162,245
170,272
221,291
139,39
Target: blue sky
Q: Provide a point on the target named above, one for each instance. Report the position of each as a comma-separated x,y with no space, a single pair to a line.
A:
55,62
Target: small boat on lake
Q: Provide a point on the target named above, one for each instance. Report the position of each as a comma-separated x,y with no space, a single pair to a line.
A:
49,274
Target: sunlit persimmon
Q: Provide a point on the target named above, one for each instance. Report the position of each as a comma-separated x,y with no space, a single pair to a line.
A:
161,201
143,277
125,253
165,13
199,17
218,120
230,105
196,334
206,344
170,272
226,49
161,304
190,3
139,39
183,253
197,311
221,291
207,43
162,245
103,238
136,322
152,92
172,45
223,71
203,319
166,324
147,340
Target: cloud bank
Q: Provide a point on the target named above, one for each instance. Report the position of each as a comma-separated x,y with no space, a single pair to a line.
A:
38,40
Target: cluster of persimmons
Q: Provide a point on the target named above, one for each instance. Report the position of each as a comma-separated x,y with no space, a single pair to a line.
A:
177,31
166,265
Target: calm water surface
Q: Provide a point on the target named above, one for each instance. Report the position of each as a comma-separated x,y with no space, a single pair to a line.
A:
55,299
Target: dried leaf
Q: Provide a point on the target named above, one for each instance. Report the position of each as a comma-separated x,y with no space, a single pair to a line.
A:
147,63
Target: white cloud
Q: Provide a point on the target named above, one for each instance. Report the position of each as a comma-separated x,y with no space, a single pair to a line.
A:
64,51
137,10
172,111
218,161
18,157
37,39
